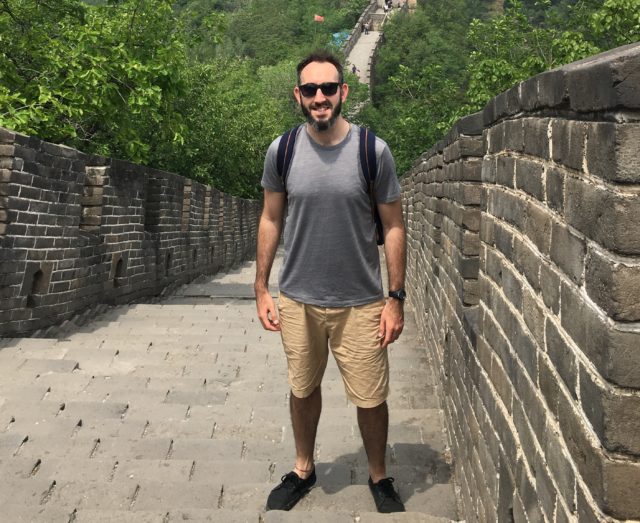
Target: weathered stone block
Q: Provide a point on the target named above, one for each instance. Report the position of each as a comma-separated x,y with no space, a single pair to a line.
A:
7,150
470,146
568,251
505,170
471,124
512,287
620,480
614,284
555,179
514,135
612,349
606,80
506,205
7,136
545,488
489,113
486,229
551,88
612,151
489,166
610,218
505,490
495,138
503,239
561,354
529,177
567,143
471,170
550,287
533,314
527,261
549,385
612,412
537,226
536,141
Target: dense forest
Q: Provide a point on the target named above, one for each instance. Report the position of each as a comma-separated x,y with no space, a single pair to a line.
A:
201,87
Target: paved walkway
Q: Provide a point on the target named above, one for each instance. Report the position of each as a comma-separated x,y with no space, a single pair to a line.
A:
363,49
178,411
361,52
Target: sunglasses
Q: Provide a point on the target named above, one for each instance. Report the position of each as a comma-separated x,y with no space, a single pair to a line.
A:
327,88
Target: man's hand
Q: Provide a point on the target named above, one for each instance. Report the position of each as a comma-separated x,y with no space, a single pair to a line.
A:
267,312
391,322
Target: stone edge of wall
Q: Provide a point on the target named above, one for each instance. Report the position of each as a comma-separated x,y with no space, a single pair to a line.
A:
78,231
579,116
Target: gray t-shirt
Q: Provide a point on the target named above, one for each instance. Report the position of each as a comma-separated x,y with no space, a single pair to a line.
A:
331,257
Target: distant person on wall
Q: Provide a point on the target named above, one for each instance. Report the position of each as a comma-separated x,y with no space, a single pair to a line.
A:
354,69
331,293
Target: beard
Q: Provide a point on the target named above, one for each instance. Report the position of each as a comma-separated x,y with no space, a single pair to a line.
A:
322,125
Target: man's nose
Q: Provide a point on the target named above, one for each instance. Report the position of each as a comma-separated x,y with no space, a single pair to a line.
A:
319,96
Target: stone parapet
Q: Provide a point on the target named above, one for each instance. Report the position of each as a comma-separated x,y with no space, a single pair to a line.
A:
78,230
524,271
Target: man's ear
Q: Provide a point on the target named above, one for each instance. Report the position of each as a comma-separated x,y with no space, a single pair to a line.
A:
344,92
296,93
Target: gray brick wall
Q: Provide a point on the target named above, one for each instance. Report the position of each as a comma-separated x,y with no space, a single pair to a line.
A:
78,231
524,270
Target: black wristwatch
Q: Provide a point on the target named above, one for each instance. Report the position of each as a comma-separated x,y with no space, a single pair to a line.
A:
400,294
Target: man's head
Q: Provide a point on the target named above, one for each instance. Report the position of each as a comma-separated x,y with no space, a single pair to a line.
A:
320,90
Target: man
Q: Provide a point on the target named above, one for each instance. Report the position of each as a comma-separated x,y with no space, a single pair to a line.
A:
330,285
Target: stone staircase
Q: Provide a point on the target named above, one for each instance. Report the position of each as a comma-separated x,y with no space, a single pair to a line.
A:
178,411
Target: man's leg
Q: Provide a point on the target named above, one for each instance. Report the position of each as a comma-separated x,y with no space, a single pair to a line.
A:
305,415
374,427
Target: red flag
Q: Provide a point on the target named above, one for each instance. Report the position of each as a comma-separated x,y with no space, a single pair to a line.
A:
318,18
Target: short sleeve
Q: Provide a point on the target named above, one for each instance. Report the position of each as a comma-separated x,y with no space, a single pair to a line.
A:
271,180
387,186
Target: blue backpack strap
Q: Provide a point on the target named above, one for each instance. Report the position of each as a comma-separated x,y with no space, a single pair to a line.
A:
285,153
369,166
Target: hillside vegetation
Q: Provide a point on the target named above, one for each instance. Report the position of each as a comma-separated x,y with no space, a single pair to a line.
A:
201,87
198,87
452,56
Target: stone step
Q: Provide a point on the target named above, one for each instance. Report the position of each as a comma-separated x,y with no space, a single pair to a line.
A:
162,497
179,411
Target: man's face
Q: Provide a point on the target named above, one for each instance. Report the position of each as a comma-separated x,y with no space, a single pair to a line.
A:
321,110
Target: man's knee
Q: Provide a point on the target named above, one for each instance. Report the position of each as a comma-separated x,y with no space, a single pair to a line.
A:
305,396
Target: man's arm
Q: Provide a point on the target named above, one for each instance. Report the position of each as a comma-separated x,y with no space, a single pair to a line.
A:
392,319
268,237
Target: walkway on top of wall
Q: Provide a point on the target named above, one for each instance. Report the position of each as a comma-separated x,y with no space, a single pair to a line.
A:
360,55
363,50
163,412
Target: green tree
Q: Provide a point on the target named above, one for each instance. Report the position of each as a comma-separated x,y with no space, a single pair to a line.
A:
103,79
232,117
510,48
420,77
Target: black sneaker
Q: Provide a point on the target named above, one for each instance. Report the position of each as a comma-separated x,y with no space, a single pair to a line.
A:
386,498
291,490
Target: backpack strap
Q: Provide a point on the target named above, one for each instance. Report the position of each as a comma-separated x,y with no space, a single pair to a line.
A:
285,153
369,166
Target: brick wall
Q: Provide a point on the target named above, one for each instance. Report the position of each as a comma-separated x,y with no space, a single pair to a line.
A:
524,271
77,231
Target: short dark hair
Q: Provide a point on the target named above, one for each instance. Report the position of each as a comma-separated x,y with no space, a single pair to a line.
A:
321,56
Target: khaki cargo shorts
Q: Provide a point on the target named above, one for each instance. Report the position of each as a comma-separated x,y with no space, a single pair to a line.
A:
351,333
